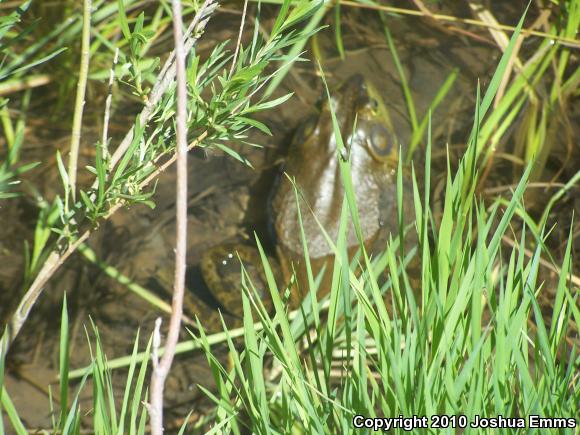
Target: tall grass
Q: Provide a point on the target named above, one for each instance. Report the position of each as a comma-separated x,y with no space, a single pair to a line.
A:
470,341
477,346
108,414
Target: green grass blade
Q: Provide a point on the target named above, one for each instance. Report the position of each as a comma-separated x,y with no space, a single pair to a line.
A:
64,363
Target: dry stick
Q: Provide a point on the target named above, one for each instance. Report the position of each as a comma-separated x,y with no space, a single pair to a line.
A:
80,100
59,255
421,6
447,28
50,266
161,368
571,278
510,187
33,81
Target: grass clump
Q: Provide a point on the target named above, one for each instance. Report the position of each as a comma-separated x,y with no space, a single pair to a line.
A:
469,341
472,343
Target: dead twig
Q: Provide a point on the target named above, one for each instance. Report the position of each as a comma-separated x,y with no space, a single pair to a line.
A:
108,101
235,58
571,278
33,81
161,368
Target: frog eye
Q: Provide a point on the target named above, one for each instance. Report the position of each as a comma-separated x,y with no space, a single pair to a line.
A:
381,142
374,105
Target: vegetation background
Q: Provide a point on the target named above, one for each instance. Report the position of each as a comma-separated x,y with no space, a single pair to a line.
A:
494,328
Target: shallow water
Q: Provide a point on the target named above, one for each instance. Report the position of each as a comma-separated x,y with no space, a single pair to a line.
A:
228,201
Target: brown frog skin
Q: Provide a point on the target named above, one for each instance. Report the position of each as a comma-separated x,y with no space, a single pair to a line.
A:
373,149
221,272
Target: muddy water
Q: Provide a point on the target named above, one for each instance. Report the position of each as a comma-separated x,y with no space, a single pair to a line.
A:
228,201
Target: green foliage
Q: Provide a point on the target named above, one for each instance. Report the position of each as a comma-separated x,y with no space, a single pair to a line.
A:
542,115
438,356
14,63
137,41
428,352
224,117
103,407
9,178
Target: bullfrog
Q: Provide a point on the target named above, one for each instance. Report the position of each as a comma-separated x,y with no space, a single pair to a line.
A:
372,146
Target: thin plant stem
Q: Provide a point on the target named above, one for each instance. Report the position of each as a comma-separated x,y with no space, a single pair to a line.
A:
132,286
80,100
33,81
161,368
108,101
235,58
7,127
187,345
571,278
50,266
